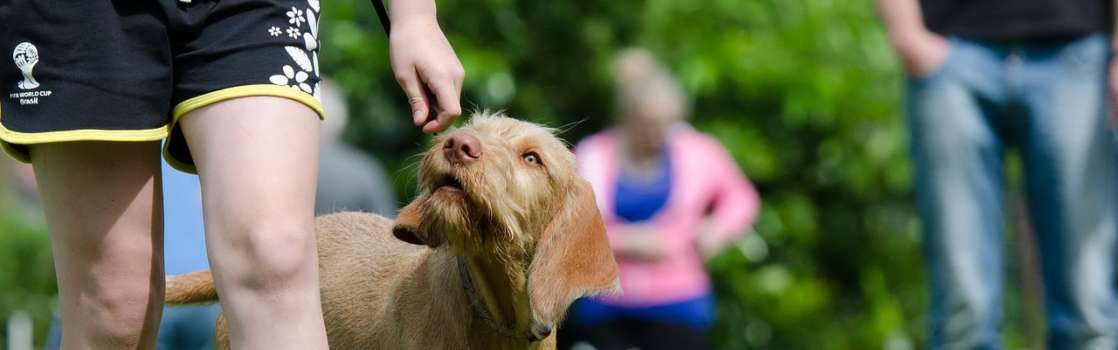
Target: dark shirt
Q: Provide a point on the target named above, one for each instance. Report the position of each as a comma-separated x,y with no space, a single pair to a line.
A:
1017,20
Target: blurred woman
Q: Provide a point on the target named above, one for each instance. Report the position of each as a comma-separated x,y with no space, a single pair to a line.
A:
671,197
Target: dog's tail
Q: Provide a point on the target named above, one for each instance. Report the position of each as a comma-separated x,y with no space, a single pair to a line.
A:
191,288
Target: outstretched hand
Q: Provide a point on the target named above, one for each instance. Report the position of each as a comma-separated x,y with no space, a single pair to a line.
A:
429,72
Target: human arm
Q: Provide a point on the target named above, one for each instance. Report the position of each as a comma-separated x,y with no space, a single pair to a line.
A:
639,242
423,60
734,209
920,50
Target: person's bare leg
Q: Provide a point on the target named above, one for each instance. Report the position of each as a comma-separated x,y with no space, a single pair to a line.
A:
257,160
104,208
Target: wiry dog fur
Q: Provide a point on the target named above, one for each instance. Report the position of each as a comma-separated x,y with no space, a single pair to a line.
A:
527,234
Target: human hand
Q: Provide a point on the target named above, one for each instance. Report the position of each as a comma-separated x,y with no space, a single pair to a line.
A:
707,243
640,243
921,51
707,246
427,68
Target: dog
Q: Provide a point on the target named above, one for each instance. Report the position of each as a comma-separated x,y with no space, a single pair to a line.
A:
502,238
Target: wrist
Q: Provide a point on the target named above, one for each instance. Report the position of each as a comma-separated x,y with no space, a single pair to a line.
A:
905,38
406,12
415,22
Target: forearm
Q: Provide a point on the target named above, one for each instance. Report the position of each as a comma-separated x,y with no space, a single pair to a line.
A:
736,203
735,212
903,20
401,11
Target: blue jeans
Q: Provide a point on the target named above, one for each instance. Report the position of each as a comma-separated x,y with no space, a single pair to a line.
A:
182,328
1048,101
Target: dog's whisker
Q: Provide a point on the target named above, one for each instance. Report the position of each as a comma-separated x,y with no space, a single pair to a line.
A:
565,128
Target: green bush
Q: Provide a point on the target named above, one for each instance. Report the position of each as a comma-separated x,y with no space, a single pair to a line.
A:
26,275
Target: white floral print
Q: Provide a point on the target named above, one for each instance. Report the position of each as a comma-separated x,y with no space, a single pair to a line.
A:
295,16
305,56
310,38
292,78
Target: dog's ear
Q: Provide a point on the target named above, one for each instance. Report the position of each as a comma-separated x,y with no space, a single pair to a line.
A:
572,258
409,225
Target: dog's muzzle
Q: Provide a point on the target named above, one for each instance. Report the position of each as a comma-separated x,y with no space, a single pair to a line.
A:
539,332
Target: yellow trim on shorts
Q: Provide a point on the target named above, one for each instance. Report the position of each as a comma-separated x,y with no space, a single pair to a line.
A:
209,98
24,138
212,97
174,162
9,137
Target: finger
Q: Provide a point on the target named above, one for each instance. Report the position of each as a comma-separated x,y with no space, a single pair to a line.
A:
447,94
413,88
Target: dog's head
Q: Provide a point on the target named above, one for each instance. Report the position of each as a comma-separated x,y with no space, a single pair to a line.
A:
509,189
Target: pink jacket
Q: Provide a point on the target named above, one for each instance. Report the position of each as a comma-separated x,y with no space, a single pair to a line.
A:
706,183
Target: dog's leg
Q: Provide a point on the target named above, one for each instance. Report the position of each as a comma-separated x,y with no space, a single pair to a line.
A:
221,334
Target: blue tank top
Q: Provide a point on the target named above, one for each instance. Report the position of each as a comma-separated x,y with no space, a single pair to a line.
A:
638,200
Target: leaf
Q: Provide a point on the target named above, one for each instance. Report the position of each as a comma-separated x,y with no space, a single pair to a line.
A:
300,58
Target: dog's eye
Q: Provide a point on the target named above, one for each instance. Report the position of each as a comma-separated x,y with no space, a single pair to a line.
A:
531,158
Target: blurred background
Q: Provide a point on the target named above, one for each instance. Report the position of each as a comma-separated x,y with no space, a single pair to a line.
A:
804,94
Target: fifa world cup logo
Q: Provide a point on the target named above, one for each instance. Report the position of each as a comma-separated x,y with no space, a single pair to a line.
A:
26,56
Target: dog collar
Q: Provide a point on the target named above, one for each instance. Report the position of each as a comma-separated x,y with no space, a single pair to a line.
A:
481,311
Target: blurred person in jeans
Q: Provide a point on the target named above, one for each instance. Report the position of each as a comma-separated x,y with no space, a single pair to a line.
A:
986,75
184,250
348,178
670,197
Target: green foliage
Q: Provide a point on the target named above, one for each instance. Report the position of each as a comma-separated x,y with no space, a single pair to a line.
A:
26,275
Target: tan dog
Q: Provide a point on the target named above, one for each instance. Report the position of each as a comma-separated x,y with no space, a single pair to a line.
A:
504,236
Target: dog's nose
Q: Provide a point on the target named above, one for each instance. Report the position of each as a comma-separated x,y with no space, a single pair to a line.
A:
462,148
539,332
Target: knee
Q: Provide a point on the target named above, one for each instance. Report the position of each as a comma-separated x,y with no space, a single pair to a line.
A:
273,254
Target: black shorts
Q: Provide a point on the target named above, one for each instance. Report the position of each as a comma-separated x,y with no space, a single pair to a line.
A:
127,70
